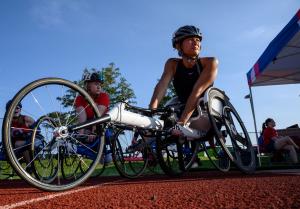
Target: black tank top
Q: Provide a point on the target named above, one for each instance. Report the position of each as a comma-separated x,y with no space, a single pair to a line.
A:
185,79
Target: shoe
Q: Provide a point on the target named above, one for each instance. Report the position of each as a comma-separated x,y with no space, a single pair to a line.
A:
195,165
186,131
199,162
176,131
136,146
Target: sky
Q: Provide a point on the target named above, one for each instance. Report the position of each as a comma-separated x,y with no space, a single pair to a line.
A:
59,38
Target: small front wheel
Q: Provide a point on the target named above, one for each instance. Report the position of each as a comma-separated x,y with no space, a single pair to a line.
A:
216,154
129,152
176,156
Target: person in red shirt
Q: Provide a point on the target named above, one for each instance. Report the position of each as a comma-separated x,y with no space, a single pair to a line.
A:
274,142
21,132
92,84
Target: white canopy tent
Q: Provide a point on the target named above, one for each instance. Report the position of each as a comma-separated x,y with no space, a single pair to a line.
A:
280,62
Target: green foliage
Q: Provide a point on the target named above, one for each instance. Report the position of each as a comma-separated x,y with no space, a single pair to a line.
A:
114,84
169,94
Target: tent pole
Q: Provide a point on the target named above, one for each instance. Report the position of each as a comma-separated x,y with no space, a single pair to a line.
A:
255,128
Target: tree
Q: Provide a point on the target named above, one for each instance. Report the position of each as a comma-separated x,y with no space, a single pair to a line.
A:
169,95
114,84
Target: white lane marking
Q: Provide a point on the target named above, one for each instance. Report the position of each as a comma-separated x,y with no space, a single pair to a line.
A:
48,197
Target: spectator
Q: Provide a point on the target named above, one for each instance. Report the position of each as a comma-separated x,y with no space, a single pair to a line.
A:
21,131
92,84
273,142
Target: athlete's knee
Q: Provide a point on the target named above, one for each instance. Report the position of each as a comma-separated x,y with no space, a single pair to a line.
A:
289,148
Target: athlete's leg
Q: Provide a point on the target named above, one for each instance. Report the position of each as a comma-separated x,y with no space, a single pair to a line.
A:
291,141
284,140
202,123
292,152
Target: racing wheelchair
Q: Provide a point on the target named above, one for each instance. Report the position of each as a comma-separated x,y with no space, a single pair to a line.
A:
51,101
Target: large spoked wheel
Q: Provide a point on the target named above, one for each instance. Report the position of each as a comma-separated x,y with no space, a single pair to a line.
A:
176,156
216,154
130,158
53,145
230,131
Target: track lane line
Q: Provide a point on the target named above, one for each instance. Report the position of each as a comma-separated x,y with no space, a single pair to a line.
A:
48,197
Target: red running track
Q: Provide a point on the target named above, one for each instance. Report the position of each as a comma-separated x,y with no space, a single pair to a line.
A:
209,189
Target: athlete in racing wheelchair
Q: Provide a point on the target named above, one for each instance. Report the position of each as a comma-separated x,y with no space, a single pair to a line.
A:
191,77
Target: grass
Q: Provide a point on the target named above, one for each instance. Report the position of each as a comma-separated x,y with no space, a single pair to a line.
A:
110,170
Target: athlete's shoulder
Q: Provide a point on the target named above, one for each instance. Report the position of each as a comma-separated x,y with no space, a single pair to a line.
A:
171,65
172,61
209,60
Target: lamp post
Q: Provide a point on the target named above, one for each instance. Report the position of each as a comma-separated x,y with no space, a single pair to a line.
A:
249,96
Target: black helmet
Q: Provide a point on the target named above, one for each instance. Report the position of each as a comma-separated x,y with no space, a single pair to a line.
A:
93,77
9,103
185,32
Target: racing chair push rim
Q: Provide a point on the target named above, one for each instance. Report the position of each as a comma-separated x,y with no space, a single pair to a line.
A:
224,117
